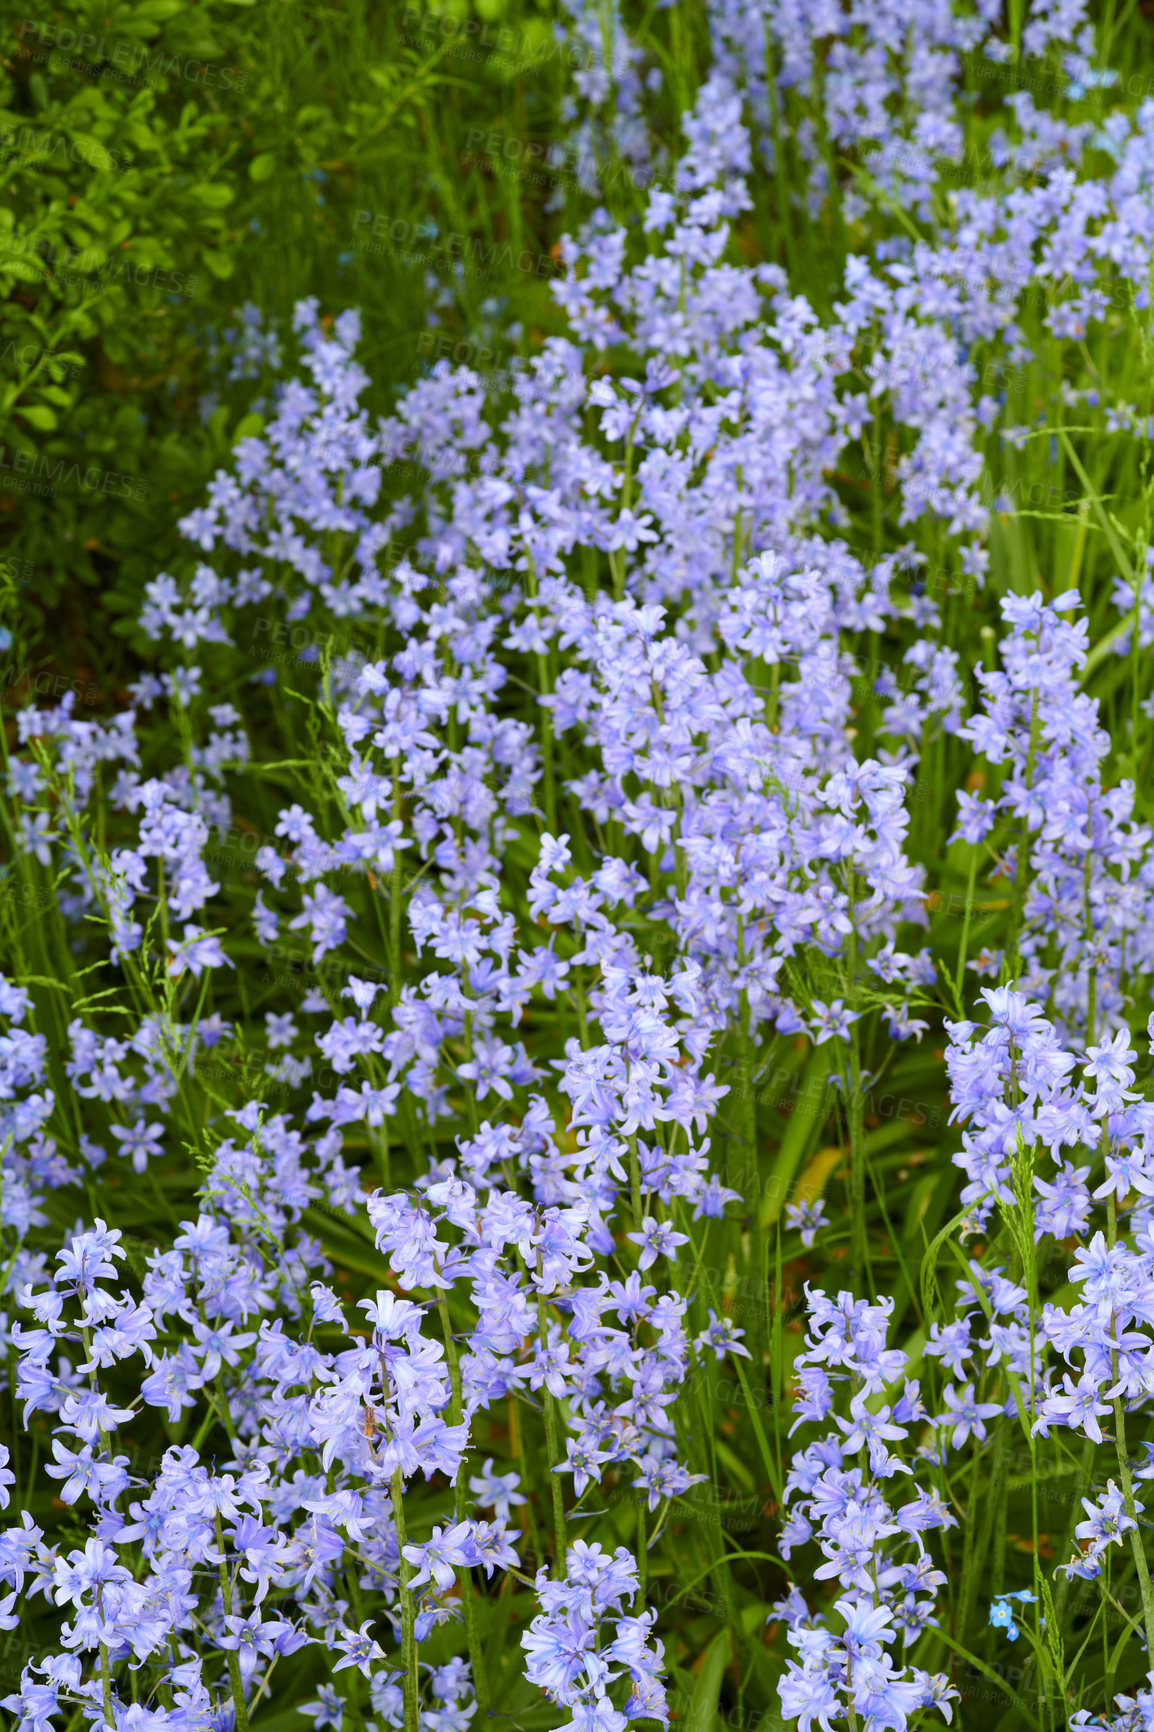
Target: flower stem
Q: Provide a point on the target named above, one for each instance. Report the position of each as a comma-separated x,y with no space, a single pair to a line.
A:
236,1683
966,913
635,1183
395,897
106,1685
857,1158
1136,1545
554,1452
408,1621
855,1115
464,1576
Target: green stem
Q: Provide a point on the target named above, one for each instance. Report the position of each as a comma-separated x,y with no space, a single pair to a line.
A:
553,1450
517,1454
1136,1545
408,1620
1022,852
236,1683
106,1685
635,1183
464,1576
395,898
579,1000
967,912
968,1577
1085,1469
857,1164
855,1111
747,1119
545,715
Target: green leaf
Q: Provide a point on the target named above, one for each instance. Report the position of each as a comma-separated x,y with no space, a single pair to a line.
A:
995,1678
213,193
930,1260
262,167
95,154
804,1122
759,1429
40,416
43,980
702,1711
218,264
249,428
22,270
1107,524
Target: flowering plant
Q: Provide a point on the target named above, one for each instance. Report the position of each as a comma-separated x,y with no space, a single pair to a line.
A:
467,1121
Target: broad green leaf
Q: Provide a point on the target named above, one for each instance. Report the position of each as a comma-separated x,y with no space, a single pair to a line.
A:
218,264
215,194
249,428
701,1715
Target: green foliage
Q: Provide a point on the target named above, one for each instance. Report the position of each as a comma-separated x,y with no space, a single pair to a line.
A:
164,162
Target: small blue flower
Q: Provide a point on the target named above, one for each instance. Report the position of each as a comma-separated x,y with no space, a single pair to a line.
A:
1002,1613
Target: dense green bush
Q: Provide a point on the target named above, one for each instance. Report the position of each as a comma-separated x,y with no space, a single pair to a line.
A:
166,162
